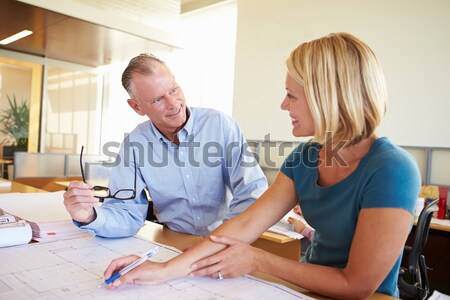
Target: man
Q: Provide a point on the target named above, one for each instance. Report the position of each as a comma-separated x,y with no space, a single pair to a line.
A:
186,158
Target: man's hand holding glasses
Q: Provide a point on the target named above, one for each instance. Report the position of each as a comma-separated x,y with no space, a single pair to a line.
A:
80,198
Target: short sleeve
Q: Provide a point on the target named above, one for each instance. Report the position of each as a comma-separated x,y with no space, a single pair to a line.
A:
393,181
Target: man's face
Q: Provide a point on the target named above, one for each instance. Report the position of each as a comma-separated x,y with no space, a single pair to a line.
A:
160,98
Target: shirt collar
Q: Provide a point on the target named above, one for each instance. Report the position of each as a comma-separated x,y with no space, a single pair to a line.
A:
182,134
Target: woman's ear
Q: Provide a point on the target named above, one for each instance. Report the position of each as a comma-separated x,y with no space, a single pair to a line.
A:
135,106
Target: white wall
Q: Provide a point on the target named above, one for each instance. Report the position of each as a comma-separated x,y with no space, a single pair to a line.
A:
410,37
205,66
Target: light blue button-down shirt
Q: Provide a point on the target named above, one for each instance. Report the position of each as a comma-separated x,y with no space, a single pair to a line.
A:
188,183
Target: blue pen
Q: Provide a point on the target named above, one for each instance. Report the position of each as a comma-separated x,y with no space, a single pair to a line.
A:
130,267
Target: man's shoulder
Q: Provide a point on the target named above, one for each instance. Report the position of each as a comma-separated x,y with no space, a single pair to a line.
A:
210,114
206,111
143,130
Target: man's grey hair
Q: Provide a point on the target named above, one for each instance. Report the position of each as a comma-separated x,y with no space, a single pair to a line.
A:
144,64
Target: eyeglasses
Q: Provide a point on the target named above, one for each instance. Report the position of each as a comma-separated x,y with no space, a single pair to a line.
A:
104,192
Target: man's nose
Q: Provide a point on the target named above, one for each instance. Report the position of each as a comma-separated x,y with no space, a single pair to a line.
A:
170,100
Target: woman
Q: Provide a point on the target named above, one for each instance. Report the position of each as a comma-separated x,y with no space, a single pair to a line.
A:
356,190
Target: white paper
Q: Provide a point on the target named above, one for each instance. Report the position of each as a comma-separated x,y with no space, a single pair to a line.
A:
35,207
45,212
5,183
283,226
440,222
438,296
72,269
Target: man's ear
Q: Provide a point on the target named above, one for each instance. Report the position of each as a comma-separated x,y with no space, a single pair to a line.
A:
135,106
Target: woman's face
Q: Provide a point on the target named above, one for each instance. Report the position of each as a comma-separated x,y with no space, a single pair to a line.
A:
295,103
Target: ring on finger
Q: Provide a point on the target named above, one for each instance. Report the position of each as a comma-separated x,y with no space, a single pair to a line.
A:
220,275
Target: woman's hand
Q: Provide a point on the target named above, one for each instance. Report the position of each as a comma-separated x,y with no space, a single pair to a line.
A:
145,274
237,259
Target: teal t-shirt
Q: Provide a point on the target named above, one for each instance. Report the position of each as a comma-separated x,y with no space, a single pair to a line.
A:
387,176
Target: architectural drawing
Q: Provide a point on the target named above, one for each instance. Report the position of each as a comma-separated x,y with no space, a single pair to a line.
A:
73,269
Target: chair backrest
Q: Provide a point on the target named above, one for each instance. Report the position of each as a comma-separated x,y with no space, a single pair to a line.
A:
422,229
28,164
416,285
98,172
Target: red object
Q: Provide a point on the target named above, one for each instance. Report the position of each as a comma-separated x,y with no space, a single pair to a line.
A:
442,204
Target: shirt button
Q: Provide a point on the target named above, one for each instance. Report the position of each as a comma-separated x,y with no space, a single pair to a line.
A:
181,152
187,176
198,218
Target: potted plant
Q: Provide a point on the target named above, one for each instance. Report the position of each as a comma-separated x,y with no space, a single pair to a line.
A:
15,120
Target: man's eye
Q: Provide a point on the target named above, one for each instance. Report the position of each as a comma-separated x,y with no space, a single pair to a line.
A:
174,90
156,101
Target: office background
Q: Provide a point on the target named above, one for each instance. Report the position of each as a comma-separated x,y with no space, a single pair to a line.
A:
226,54
230,55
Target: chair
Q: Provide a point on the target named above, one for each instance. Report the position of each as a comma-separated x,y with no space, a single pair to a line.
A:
413,278
151,216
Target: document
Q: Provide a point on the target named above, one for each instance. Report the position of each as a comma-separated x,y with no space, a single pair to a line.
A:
283,226
73,269
5,183
35,207
45,212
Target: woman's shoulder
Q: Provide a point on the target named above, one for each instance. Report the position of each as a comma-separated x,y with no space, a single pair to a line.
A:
384,151
390,159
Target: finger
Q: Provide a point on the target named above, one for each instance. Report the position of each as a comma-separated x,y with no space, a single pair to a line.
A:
79,192
78,185
223,240
118,264
291,220
205,262
212,271
77,195
134,277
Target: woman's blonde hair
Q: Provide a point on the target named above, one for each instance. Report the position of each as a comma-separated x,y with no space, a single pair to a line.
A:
344,86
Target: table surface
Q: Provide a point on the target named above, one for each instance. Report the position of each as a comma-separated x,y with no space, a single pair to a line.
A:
440,227
271,236
16,187
181,241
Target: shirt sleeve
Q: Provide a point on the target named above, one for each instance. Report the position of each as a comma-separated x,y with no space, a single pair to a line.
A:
242,172
121,218
393,181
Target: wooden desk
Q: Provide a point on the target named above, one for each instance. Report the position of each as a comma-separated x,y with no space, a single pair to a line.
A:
46,183
272,242
161,234
440,227
280,245
181,241
19,188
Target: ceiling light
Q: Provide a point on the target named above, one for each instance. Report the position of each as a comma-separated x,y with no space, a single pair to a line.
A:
16,37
